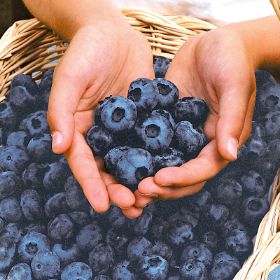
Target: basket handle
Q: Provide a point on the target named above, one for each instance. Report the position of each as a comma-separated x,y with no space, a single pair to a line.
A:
276,6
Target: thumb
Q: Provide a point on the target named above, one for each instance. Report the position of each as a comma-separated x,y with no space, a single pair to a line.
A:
233,107
65,94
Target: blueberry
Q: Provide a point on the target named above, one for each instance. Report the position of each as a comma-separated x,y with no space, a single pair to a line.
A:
198,251
7,253
153,267
18,138
31,205
113,156
192,109
211,240
160,65
38,227
100,140
89,237
79,218
32,243
101,258
10,209
98,110
239,243
169,157
189,140
56,205
166,114
193,269
272,124
158,228
20,271
200,200
254,209
9,184
141,225
162,249
144,93
179,235
55,176
8,116
180,217
228,192
133,166
76,271
168,93
117,240
39,148
119,114
116,218
216,215
224,267
13,158
45,88
12,232
258,131
61,228
22,100
74,195
45,265
123,270
253,184
67,253
273,151
33,175
138,247
35,123
25,81
230,225
189,216
155,133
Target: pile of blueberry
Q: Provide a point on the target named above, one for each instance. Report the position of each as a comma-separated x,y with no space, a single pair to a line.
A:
48,230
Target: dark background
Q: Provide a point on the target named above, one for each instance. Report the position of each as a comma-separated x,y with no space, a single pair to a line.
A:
11,11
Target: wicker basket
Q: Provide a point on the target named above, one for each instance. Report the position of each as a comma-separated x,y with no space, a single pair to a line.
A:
28,47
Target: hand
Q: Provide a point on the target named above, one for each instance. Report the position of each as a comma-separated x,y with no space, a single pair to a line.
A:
217,67
101,60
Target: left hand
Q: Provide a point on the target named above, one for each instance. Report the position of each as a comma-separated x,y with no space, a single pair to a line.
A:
218,67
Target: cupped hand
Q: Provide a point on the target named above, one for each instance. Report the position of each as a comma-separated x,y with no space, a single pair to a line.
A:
218,67
101,60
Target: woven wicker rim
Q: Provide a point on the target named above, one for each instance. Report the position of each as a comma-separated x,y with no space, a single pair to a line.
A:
28,46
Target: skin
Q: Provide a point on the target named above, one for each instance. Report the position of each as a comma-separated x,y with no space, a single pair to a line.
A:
101,61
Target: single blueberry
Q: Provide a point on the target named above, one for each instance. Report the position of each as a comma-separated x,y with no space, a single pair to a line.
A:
79,218
193,269
253,184
142,224
160,248
10,209
76,271
211,240
144,93
56,204
32,243
138,247
89,237
200,200
13,232
168,93
61,228
31,205
13,158
188,140
166,114
100,140
153,267
160,64
123,270
112,157
158,228
8,116
116,219
117,240
179,235
216,215
18,138
230,225
67,253
272,124
192,109
20,271
45,265
45,89
101,258
10,183
197,251
118,114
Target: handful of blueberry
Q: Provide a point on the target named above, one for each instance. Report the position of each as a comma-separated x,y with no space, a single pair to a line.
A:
150,129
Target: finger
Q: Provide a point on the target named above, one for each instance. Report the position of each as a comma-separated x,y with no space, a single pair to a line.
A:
233,106
84,168
208,163
141,201
66,91
133,212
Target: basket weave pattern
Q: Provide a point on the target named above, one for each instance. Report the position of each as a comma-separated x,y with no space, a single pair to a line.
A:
28,46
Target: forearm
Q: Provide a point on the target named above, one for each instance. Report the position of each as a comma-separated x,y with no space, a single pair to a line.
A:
67,16
262,37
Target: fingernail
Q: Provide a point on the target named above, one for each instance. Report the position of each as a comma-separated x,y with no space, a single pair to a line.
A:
56,139
232,146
